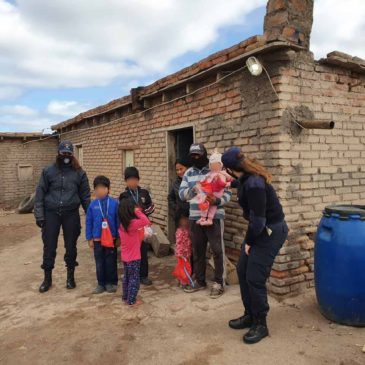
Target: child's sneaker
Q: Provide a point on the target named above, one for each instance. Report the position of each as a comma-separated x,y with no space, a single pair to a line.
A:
195,287
216,291
99,289
136,304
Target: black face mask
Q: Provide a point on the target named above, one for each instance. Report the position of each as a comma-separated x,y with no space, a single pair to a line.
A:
201,162
231,173
65,160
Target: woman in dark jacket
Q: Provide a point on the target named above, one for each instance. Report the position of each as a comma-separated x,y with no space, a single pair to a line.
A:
176,205
63,186
266,233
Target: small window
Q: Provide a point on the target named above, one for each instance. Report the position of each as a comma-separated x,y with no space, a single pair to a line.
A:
79,154
128,158
25,172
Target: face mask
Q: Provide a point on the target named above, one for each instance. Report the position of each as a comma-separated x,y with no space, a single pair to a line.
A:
230,172
201,162
64,159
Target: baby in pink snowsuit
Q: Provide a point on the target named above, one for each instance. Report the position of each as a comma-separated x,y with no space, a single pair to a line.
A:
213,184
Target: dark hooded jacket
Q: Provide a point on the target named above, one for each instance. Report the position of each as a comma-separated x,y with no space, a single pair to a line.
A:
61,189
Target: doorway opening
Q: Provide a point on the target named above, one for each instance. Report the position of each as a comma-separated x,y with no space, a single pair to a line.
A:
178,144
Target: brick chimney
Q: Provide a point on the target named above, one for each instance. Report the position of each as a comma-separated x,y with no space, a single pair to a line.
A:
289,20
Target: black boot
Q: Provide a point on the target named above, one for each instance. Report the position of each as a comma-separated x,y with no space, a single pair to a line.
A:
257,332
47,282
70,284
242,322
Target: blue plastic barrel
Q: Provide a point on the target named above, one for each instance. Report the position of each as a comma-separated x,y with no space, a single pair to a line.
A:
339,264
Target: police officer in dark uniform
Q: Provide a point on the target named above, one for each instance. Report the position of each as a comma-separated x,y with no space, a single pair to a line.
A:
143,199
63,186
266,233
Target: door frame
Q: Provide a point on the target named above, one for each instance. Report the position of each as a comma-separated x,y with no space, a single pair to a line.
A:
170,162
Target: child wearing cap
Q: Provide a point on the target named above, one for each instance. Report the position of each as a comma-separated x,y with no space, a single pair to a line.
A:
214,184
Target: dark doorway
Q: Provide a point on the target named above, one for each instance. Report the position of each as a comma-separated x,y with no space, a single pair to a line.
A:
178,144
184,139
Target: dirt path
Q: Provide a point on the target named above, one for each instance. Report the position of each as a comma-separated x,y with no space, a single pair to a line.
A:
171,327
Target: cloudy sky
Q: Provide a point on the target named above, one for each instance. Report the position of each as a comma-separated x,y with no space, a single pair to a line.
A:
61,57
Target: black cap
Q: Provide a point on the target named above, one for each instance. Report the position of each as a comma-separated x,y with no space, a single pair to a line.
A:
131,172
232,158
66,147
197,149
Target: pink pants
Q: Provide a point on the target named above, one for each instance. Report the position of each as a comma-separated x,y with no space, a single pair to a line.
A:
210,212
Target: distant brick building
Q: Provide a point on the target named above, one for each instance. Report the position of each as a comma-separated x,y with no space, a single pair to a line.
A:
21,164
217,102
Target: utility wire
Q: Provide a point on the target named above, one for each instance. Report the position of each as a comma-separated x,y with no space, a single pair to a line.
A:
159,105
143,111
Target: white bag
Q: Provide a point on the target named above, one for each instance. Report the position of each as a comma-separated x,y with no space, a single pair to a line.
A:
148,232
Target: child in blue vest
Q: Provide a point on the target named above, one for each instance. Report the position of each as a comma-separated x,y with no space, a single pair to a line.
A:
101,232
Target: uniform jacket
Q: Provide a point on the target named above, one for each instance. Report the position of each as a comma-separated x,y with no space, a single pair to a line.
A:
260,204
61,188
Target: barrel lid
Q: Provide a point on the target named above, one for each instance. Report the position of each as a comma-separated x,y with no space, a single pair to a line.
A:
345,211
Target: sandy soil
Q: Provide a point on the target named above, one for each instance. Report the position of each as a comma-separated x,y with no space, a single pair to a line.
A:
171,327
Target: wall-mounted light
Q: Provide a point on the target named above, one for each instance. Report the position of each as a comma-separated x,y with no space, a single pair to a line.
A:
254,66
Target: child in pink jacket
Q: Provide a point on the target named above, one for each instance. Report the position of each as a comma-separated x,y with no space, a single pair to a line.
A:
132,223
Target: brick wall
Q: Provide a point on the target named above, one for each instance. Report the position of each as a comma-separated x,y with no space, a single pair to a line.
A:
312,168
317,167
290,20
240,110
33,156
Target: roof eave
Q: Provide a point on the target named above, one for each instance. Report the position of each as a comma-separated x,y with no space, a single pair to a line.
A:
268,47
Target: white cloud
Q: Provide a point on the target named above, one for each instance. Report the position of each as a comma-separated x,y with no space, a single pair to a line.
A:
14,123
338,26
19,110
56,44
20,118
9,93
83,43
65,108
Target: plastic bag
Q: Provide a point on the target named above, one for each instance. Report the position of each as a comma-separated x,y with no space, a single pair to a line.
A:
148,232
145,233
106,235
182,271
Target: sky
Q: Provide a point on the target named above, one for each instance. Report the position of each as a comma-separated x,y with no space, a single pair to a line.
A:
59,58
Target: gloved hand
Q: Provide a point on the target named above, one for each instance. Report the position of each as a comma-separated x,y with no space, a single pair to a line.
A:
40,223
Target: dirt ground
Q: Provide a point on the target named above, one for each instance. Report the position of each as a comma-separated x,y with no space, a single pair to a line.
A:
171,327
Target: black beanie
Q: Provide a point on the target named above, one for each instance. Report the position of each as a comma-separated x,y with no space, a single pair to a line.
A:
131,172
232,158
